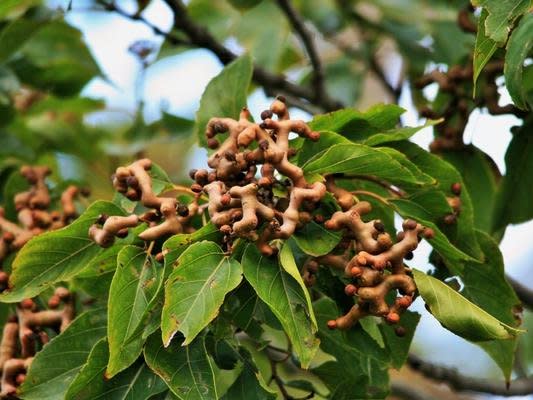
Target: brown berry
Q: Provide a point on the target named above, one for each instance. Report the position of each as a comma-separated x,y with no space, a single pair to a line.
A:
196,188
456,188
450,219
192,173
409,224
20,379
428,233
182,210
27,304
266,114
404,301
225,199
332,324
392,318
8,237
379,226
53,302
4,277
356,271
350,290
212,143
400,331
281,98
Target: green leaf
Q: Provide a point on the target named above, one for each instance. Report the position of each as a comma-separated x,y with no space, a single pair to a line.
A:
513,200
518,49
356,125
315,240
17,33
399,346
485,285
136,383
13,8
196,288
187,370
458,314
266,42
286,259
134,285
56,59
284,297
485,47
479,173
310,148
176,244
249,385
360,369
395,135
358,159
463,235
58,363
58,255
225,95
244,4
501,15
454,256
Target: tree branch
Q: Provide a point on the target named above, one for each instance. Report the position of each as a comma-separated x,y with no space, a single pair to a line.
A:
306,36
200,37
458,382
524,294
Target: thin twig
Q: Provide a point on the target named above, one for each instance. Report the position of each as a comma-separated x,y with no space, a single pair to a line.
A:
306,36
461,383
172,39
200,37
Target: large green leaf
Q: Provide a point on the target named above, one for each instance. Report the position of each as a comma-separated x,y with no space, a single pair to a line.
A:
310,148
485,285
356,125
17,33
58,363
196,288
484,48
360,369
225,95
56,59
58,255
286,259
248,386
501,15
315,240
458,314
395,135
134,285
518,49
513,200
136,383
285,298
187,370
358,159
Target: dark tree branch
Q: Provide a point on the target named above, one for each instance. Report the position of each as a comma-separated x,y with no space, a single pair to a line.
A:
407,392
200,37
524,294
306,36
458,382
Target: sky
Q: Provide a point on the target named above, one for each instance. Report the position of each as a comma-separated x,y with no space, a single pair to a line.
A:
176,85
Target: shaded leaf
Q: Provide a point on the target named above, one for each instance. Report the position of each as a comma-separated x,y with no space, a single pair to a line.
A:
284,297
501,15
58,363
286,259
518,48
360,369
136,383
397,134
315,240
399,345
187,370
